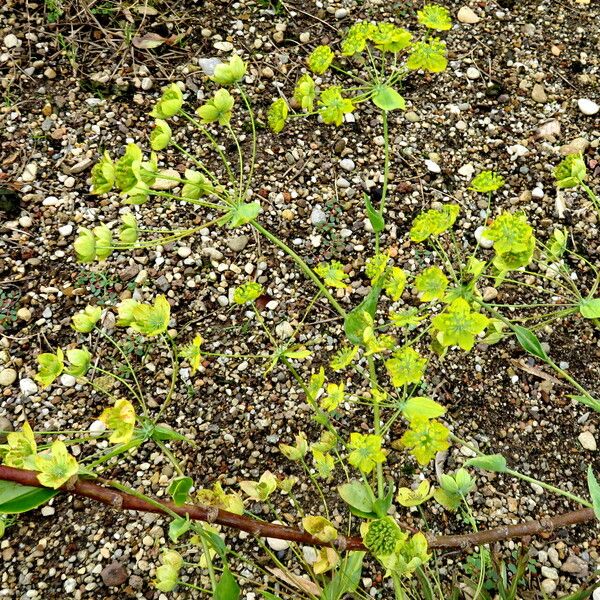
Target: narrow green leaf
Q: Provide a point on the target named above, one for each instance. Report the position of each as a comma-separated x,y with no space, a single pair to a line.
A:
241,214
495,463
591,402
355,322
161,432
16,498
387,98
346,579
529,341
227,588
590,308
179,489
594,488
375,217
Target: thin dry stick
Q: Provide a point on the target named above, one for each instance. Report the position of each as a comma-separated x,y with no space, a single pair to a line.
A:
123,501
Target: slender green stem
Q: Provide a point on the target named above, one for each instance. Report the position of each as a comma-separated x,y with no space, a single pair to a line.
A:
240,163
376,423
254,141
303,266
198,163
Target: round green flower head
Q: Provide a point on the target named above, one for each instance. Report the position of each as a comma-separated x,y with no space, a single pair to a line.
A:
382,536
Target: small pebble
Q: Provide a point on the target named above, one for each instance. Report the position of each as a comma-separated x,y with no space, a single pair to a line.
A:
97,428
588,441
483,241
473,73
537,192
317,216
114,575
341,13
467,15
347,164
539,93
28,387
11,41
432,166
587,106
7,377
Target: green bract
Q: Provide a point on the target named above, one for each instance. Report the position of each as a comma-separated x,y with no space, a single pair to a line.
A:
333,398
487,181
394,283
433,222
429,56
152,319
228,74
425,438
510,233
125,311
104,242
343,358
51,366
128,233
277,115
458,325
119,418
196,185
21,448
389,38
320,528
247,292
103,175
333,107
571,172
55,466
320,59
332,274
376,266
85,246
296,452
160,137
127,168
191,352
407,366
305,93
218,108
357,37
169,104
79,359
431,284
260,490
387,98
435,17
85,320
366,451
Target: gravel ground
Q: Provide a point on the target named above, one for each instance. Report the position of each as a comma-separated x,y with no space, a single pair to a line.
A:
510,100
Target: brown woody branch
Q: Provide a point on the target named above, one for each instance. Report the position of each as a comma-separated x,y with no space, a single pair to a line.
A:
124,501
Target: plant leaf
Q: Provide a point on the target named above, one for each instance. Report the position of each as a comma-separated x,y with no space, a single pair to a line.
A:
148,41
357,495
591,402
529,341
227,588
178,527
375,217
346,578
179,489
16,498
241,214
594,488
387,98
496,463
590,308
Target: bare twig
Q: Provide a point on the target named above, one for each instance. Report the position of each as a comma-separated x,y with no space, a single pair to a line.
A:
123,501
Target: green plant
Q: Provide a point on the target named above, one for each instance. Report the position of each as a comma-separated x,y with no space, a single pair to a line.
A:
54,10
571,173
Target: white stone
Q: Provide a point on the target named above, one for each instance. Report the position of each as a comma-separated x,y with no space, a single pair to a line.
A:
25,222
537,192
223,300
473,73
97,428
548,586
517,151
550,573
538,94
7,377
278,545
70,585
467,15
284,330
47,511
341,13
208,65
305,37
24,314
29,172
224,46
28,387
432,166
68,380
467,171
184,251
166,184
66,230
318,216
11,41
596,595
483,241
588,441
347,164
310,554
587,106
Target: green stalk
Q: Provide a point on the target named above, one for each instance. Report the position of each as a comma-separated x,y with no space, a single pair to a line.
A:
376,423
303,266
